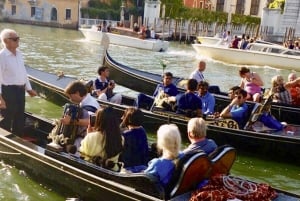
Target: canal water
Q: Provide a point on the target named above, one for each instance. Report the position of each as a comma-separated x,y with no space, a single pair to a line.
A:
60,50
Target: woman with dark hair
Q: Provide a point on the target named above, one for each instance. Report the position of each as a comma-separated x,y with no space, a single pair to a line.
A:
135,153
252,83
103,143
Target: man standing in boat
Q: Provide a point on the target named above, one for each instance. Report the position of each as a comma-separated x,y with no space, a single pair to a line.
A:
13,83
198,73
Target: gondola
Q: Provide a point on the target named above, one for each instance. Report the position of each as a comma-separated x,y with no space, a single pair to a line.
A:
282,145
87,181
146,82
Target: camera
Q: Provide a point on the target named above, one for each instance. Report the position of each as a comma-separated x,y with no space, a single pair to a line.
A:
92,120
111,82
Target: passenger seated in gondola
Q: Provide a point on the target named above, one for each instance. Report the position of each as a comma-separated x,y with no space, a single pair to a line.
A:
232,92
188,103
135,152
237,109
164,90
252,83
208,100
103,87
293,85
78,94
280,93
103,143
196,131
169,142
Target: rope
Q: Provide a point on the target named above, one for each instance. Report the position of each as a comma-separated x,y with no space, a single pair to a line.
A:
9,153
238,186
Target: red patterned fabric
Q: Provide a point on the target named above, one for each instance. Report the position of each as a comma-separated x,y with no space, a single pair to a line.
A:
222,188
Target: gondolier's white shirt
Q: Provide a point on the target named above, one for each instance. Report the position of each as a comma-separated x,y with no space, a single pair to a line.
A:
197,75
12,69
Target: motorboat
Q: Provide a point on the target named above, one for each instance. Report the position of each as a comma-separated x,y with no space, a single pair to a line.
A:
258,53
125,37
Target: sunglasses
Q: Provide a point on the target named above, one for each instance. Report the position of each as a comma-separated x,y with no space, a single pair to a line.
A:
15,39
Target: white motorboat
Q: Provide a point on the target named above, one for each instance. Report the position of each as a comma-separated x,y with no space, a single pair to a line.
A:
129,40
258,53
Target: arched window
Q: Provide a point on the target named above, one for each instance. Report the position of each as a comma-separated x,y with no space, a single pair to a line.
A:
54,14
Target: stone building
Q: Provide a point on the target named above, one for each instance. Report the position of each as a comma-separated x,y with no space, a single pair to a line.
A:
280,26
245,7
56,13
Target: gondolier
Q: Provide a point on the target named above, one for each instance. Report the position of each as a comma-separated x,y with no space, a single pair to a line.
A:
14,82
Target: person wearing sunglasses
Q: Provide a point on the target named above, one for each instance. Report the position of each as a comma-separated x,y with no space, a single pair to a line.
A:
237,109
13,83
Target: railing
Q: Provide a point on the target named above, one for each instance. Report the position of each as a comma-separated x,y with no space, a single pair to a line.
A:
183,27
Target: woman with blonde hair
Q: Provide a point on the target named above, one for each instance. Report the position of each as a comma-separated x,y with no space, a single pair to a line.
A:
169,142
280,93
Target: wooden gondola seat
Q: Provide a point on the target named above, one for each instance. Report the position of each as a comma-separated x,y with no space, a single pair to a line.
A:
222,160
190,170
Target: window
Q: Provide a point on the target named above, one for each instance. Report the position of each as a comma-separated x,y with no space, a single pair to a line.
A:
13,9
220,5
240,7
53,14
254,7
32,11
68,14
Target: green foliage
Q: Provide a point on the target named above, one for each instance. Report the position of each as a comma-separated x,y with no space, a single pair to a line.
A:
100,10
96,13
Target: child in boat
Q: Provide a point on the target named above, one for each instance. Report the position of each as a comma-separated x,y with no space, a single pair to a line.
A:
169,142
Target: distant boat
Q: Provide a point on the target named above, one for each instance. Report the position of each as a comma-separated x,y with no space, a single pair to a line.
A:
127,38
259,53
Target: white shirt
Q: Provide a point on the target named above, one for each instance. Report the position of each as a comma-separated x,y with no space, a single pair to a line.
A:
197,75
89,100
12,69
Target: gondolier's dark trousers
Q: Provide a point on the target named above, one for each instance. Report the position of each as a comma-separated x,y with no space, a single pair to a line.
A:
13,115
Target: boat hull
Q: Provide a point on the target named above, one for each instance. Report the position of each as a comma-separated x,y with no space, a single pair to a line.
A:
123,40
63,172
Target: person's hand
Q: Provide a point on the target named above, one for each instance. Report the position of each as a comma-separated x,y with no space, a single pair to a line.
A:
66,120
2,103
90,129
32,93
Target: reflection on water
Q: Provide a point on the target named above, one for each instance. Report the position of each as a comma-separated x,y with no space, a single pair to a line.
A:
15,185
56,50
